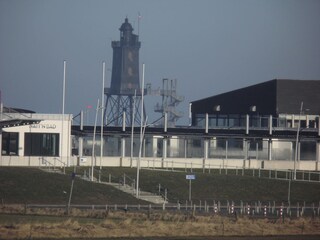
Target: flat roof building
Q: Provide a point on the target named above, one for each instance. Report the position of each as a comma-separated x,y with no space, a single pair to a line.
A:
279,98
252,127
32,139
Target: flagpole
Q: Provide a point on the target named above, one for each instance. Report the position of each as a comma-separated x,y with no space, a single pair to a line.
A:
63,106
139,17
132,126
102,111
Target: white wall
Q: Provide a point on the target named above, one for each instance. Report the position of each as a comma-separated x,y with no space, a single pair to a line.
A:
170,163
50,123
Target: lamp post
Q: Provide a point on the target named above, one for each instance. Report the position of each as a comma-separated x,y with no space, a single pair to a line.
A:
141,132
297,144
94,142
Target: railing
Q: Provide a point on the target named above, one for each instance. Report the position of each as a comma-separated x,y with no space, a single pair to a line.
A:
270,209
153,164
49,164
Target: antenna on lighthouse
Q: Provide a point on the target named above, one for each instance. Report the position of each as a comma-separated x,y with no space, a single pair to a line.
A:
139,18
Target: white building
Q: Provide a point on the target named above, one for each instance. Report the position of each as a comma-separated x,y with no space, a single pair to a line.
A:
30,139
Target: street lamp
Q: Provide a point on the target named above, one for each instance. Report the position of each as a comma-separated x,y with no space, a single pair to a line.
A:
141,133
297,143
94,141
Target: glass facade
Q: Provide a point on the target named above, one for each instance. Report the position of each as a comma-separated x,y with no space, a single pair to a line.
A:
255,121
10,143
194,147
41,144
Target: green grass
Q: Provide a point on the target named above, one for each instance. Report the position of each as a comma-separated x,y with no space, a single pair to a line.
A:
216,186
31,185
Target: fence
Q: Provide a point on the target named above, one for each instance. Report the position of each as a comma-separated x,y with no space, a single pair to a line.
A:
307,176
301,175
269,209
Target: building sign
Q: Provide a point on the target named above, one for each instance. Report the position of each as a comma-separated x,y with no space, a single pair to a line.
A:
190,177
43,126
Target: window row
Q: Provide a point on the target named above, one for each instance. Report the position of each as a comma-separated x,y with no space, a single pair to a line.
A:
194,147
35,144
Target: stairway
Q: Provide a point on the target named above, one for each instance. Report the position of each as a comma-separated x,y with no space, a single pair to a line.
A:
146,196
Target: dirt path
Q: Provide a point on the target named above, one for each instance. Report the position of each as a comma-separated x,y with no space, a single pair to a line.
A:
287,237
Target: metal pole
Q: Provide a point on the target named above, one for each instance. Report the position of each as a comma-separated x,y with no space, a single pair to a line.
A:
1,107
189,190
190,114
132,126
71,189
207,123
63,105
124,117
94,140
0,146
289,189
165,122
141,125
297,143
1,110
102,112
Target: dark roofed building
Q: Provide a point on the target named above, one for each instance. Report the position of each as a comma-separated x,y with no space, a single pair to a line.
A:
279,98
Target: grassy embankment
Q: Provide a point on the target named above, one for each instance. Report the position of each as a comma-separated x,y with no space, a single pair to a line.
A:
30,185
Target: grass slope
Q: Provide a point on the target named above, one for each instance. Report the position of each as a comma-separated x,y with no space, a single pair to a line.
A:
216,186
30,185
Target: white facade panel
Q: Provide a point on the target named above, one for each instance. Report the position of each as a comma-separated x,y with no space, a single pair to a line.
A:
51,124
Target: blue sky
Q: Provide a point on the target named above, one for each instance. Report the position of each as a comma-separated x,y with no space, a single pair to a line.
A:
209,46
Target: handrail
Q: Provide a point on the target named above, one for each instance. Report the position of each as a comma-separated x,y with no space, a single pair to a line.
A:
53,164
284,174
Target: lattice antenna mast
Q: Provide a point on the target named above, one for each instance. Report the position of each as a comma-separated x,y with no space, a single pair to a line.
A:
170,101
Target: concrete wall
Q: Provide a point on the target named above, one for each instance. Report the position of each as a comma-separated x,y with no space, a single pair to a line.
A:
33,161
199,163
169,163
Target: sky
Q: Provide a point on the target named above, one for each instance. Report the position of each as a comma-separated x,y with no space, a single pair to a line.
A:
209,46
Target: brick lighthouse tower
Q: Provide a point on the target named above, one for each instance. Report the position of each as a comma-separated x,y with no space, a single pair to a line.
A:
125,85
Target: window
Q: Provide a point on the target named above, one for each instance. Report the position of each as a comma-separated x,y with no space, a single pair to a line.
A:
10,143
41,144
255,144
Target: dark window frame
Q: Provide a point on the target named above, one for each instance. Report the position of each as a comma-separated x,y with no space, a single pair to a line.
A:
42,144
10,143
